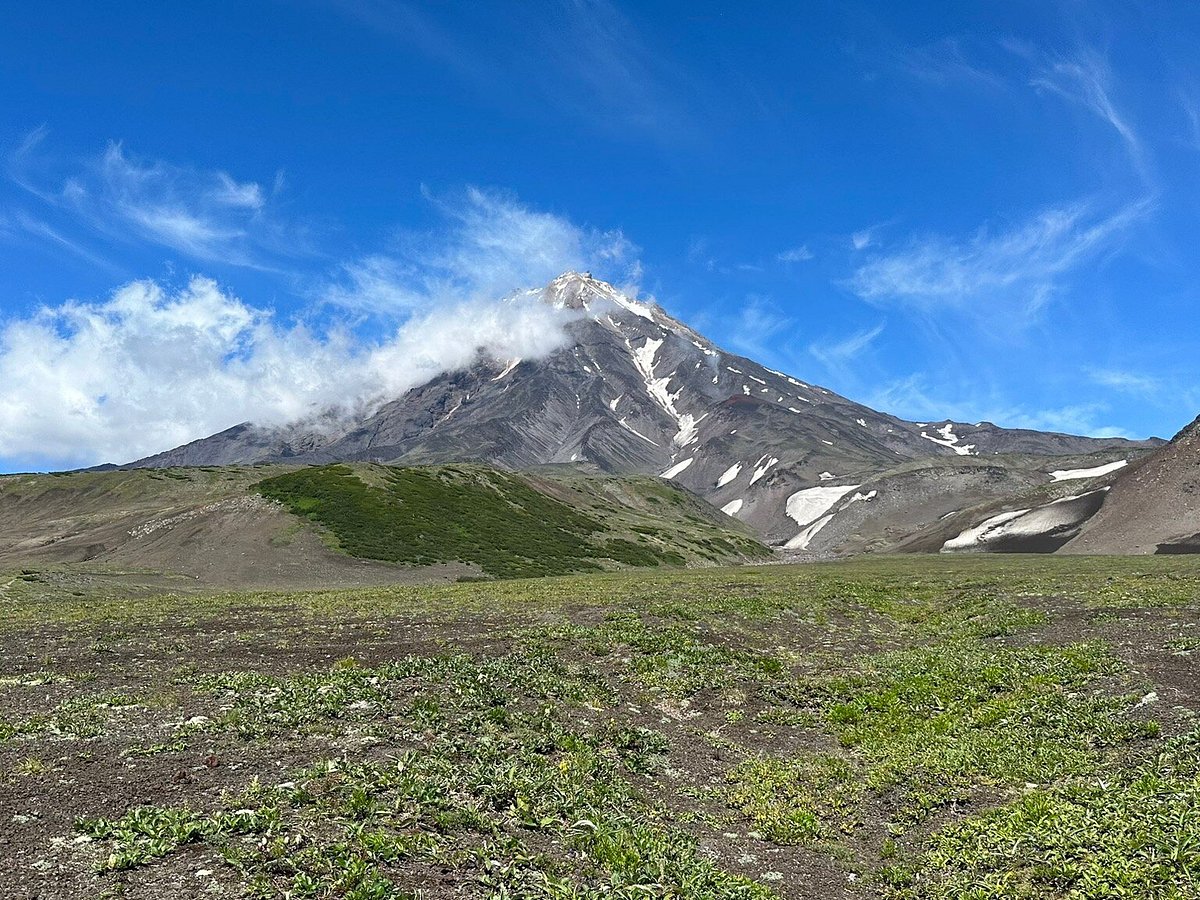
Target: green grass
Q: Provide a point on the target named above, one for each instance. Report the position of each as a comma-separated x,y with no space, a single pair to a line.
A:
931,726
470,514
1130,834
500,768
922,729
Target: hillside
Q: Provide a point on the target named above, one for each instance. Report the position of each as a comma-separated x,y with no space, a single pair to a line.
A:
1154,505
1145,505
503,523
283,526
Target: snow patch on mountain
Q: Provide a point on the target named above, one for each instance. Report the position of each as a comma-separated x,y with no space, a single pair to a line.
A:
624,424
638,309
733,507
729,474
808,504
1095,472
1047,519
804,538
761,469
973,536
811,508
658,389
949,439
678,468
512,364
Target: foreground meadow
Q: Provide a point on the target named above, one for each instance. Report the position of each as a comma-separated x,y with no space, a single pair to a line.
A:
904,727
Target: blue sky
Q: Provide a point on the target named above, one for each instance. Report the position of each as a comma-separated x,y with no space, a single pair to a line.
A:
225,210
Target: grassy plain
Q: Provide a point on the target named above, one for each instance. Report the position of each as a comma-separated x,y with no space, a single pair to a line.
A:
918,727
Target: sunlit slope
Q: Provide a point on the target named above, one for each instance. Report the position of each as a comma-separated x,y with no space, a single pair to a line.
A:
507,525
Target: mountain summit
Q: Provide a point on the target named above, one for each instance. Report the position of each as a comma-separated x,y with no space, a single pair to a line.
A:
636,391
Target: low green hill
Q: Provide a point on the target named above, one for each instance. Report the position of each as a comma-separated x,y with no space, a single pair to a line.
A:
508,525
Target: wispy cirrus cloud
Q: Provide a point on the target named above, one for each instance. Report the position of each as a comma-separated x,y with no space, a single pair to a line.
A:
489,246
759,329
947,62
1127,382
866,237
1018,269
1086,80
796,254
47,233
205,215
1189,105
916,399
836,353
586,60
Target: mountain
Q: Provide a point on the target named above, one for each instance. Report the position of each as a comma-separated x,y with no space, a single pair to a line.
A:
637,391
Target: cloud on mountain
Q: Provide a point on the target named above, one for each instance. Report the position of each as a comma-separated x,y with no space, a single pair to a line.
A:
489,245
155,365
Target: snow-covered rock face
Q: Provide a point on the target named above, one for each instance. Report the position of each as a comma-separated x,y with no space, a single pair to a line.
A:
1041,529
678,468
810,509
658,387
762,467
1094,472
947,438
729,474
579,290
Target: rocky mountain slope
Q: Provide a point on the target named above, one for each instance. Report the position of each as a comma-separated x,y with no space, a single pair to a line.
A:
1148,505
1153,506
636,391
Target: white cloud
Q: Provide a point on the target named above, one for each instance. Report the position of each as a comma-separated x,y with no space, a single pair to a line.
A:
912,398
757,328
838,353
582,59
491,246
1187,94
1019,268
170,206
151,368
48,233
796,254
1086,80
945,62
208,216
1127,382
247,195
861,240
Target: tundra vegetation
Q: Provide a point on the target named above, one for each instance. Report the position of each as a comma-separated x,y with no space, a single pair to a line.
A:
899,727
